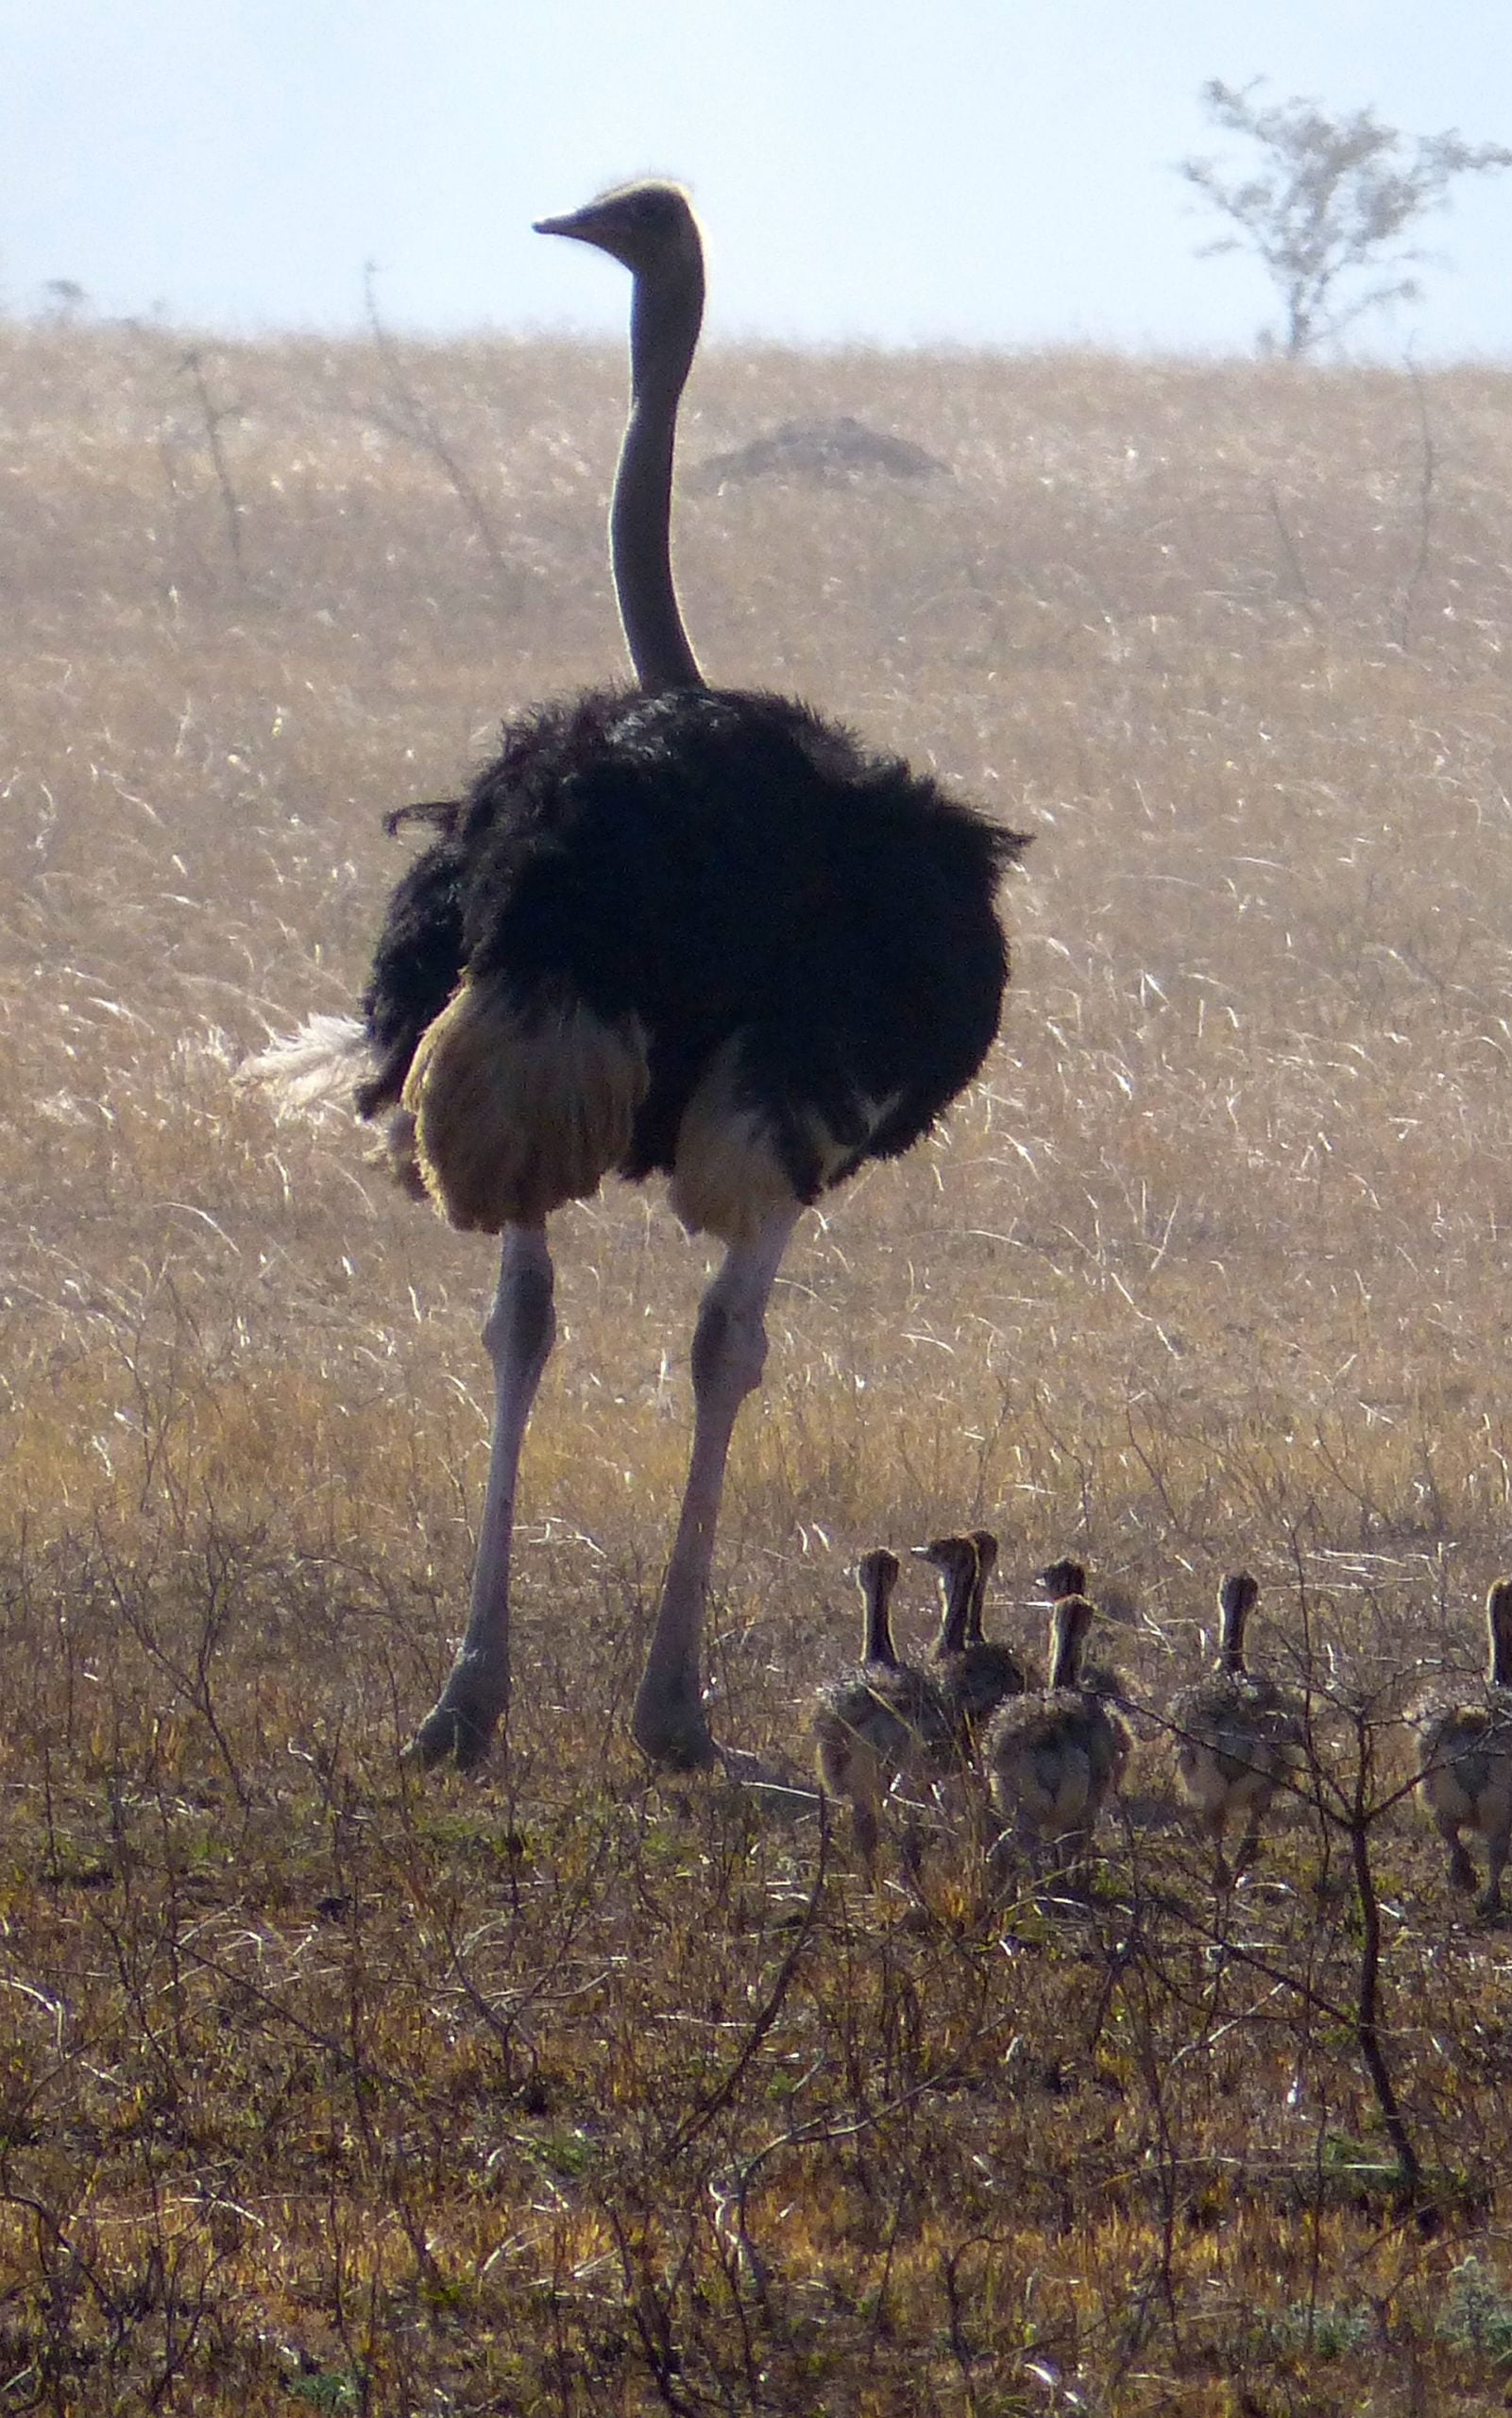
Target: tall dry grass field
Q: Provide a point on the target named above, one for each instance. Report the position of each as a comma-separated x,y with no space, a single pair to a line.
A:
321,2085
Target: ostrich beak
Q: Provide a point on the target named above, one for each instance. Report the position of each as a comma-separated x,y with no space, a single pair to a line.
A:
584,224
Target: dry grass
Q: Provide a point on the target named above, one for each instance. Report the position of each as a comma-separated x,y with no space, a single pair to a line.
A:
322,2088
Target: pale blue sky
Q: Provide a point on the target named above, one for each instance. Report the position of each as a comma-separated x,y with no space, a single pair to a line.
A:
983,171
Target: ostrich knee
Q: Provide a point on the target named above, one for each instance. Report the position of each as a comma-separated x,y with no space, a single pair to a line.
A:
730,1353
520,1328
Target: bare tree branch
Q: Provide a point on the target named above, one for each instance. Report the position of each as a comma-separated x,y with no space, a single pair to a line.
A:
1329,202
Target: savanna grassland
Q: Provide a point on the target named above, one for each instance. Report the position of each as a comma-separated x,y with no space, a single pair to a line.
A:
324,2085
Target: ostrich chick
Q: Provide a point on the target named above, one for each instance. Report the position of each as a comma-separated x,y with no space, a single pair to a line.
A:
1066,1578
1241,1735
1465,1775
881,1721
974,1673
1053,1755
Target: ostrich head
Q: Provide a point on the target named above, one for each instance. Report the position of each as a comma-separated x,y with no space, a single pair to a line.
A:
955,1557
648,226
1062,1578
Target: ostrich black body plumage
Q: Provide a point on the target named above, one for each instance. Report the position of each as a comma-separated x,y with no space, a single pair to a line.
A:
733,874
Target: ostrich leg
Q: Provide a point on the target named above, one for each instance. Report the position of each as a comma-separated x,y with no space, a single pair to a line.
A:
730,1353
518,1336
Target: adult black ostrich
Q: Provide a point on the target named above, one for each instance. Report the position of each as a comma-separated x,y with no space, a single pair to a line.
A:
678,928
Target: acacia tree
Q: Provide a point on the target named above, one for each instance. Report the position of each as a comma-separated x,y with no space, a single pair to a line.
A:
1329,202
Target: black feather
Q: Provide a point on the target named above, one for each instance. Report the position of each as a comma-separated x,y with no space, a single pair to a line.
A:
721,864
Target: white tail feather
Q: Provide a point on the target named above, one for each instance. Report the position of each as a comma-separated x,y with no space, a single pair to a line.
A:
319,1065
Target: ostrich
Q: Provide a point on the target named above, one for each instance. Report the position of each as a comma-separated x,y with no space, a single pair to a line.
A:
954,1559
976,1674
1241,1735
1053,1754
1464,1772
670,929
881,1721
1058,1580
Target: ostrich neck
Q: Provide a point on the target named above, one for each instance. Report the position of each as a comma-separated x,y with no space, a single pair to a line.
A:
955,1626
1230,1647
879,1646
1066,1667
975,1605
1501,1649
664,327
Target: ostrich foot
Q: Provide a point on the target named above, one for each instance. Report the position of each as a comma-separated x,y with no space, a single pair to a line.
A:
744,1770
1462,1873
461,1723
669,1727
